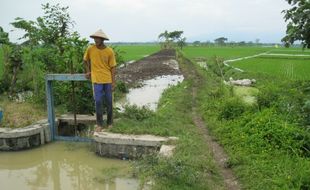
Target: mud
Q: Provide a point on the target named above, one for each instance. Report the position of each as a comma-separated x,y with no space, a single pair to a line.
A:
157,64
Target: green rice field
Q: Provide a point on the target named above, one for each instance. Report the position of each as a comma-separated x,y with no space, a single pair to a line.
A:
291,65
224,52
136,52
292,51
296,68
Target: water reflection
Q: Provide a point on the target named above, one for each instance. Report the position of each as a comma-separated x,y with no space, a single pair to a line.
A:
63,166
149,94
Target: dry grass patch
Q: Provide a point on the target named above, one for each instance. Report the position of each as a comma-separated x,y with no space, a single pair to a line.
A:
17,115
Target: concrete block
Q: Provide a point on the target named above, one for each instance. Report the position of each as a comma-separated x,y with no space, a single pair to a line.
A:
166,150
122,139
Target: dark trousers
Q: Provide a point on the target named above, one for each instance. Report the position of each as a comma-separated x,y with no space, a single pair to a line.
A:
103,93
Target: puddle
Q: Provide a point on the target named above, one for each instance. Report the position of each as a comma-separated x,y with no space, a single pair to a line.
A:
149,94
63,165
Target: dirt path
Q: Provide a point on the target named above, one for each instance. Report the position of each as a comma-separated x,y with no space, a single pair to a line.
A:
219,155
158,64
163,63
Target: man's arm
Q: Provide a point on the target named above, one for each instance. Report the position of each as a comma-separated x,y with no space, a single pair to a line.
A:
113,78
87,69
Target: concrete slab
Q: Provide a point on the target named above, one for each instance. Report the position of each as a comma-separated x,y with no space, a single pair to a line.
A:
166,150
135,140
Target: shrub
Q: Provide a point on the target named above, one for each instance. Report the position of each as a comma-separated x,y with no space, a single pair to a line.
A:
306,111
136,113
121,87
267,96
232,108
268,130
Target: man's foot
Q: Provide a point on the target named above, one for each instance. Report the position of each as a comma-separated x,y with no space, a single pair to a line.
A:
98,128
110,126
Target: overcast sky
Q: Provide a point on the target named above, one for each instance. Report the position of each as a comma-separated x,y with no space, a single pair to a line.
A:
144,20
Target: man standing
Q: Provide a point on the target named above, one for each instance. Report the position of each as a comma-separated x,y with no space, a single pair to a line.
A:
99,61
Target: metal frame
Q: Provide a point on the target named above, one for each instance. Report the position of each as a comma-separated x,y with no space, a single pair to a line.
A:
50,103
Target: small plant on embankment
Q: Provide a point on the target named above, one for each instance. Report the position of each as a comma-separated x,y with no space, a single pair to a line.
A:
268,142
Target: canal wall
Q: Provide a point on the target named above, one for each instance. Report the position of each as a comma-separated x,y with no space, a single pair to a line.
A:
105,144
24,138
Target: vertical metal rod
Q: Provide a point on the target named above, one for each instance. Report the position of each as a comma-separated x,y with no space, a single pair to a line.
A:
73,99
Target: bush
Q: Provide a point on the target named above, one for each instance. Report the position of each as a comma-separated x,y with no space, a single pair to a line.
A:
232,108
267,96
121,87
269,131
306,111
136,113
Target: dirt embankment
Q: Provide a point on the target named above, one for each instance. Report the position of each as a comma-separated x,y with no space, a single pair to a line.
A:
157,64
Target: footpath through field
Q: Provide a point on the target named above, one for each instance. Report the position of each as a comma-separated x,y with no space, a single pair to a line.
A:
219,155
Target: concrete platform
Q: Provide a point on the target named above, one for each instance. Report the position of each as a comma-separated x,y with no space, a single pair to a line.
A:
124,146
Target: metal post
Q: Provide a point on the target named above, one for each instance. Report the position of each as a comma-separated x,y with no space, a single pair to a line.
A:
50,104
50,108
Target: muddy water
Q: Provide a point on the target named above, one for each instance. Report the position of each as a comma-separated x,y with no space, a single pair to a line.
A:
63,165
150,92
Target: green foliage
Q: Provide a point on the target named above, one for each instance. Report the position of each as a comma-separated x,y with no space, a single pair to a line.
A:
224,52
4,37
119,55
306,111
136,113
83,97
170,38
220,41
267,96
232,108
217,66
191,166
296,68
52,28
121,87
136,52
268,131
270,141
50,47
298,26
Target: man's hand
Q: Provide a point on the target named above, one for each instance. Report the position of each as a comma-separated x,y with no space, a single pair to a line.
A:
88,75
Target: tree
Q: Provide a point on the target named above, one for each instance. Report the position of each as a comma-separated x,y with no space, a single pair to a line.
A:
166,42
4,36
181,42
298,27
170,38
220,41
196,43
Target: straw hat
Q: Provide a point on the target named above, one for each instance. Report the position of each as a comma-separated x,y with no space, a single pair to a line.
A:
100,34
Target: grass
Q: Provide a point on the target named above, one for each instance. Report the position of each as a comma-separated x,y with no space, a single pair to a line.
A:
26,114
224,52
247,94
296,68
191,167
290,51
262,144
136,52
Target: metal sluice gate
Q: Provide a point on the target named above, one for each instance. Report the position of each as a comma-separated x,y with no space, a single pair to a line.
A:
50,105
